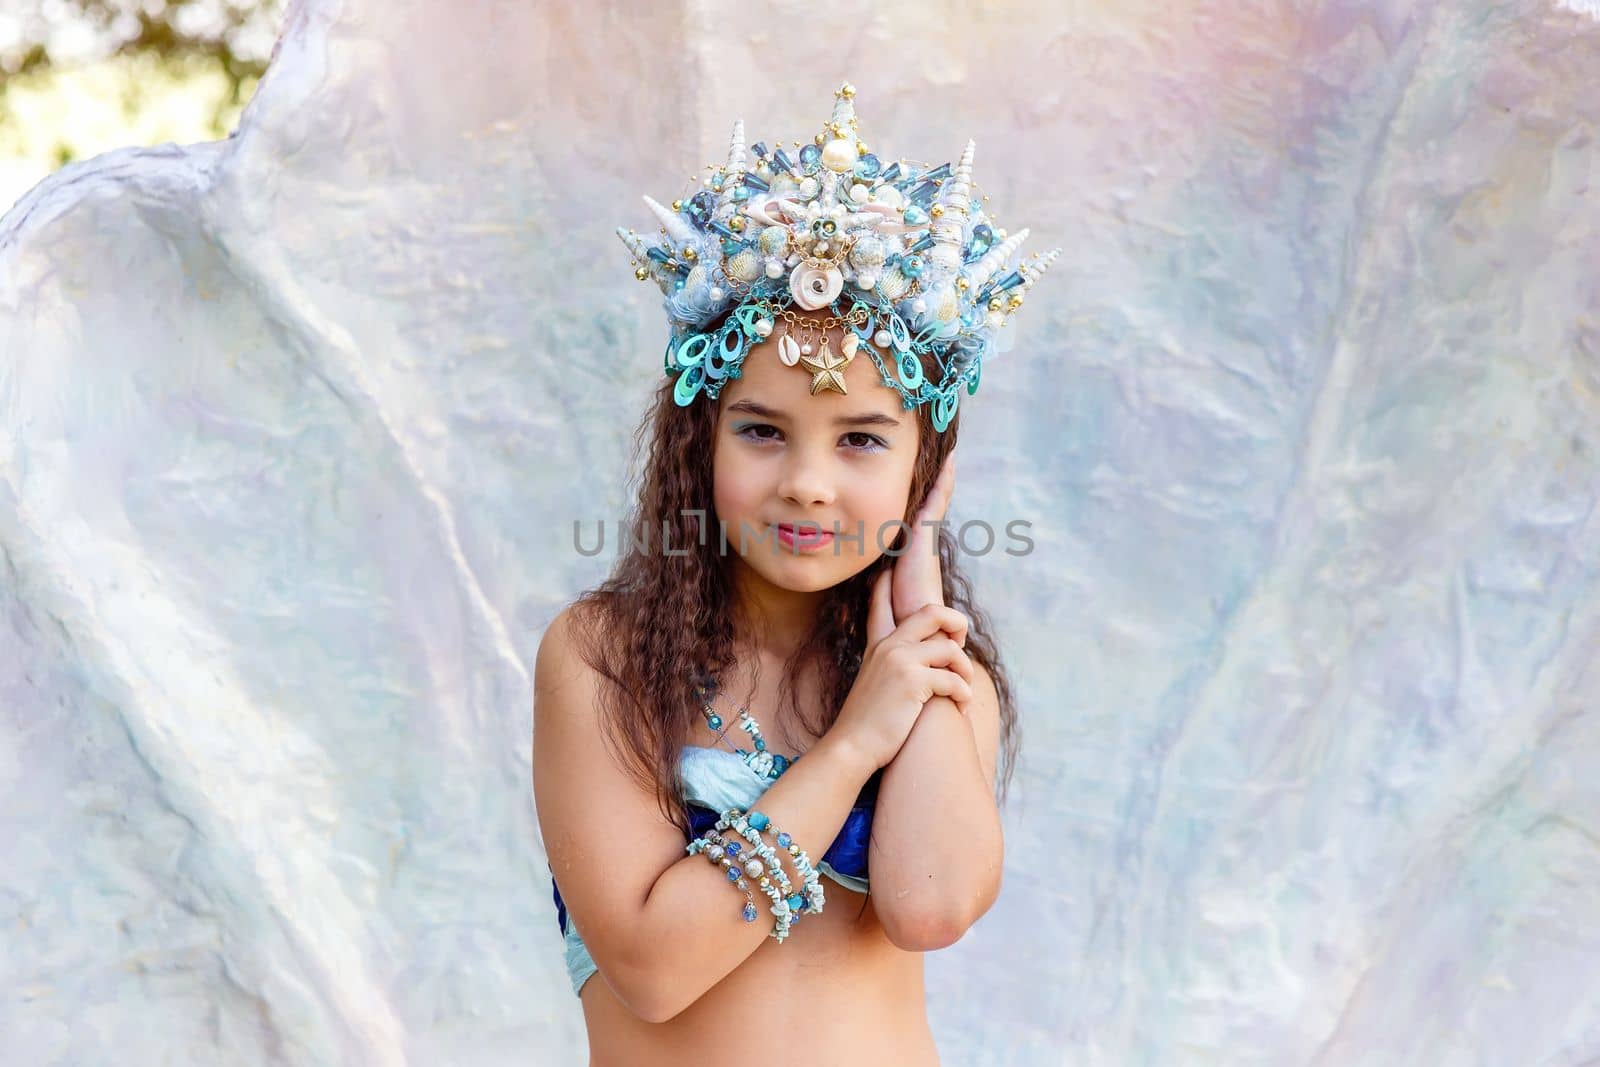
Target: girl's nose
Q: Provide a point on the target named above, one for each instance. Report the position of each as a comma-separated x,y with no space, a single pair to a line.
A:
806,481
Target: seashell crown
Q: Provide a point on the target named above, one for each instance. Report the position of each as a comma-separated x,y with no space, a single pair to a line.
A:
904,255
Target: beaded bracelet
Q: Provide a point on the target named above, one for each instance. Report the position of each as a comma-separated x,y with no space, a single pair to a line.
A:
783,903
810,898
811,895
714,847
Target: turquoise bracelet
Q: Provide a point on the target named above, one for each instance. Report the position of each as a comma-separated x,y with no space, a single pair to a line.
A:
810,898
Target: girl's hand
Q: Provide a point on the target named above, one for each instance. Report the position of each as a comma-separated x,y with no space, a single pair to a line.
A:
903,668
917,576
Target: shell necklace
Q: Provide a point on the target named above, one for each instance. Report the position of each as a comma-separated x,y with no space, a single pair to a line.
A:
767,764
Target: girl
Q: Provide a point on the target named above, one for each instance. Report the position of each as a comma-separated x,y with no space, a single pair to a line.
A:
766,748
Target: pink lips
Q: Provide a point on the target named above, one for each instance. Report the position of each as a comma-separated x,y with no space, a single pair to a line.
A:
802,541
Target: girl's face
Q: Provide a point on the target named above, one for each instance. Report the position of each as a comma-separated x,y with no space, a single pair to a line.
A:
838,463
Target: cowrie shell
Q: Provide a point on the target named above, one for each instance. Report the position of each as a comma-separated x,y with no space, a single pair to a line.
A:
848,346
788,351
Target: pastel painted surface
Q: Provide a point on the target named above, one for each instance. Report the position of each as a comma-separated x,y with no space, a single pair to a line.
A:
294,428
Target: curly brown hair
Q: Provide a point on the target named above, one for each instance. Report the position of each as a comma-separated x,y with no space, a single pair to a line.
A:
651,705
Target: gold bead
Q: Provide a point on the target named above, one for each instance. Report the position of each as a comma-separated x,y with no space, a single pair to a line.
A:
677,205
861,148
1014,303
961,281
642,273
820,138
847,90
736,224
995,303
690,254
936,211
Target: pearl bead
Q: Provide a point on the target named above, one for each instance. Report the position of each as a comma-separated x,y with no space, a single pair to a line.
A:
859,193
774,268
764,326
882,339
919,305
716,293
805,349
839,155
753,868
715,853
867,281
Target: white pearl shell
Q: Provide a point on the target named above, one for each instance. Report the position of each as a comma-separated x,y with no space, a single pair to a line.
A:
839,155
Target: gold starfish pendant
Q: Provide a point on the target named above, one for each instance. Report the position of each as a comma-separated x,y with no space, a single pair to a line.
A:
826,370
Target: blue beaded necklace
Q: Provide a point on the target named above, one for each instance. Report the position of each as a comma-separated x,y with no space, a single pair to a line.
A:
769,765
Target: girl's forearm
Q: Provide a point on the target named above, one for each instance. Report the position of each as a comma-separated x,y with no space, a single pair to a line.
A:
691,932
937,845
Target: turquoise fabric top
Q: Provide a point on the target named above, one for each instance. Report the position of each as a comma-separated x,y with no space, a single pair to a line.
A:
718,779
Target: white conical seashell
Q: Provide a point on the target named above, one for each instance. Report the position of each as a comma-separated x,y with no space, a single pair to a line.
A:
736,155
955,197
849,344
788,351
844,111
956,193
677,227
990,263
641,252
636,245
1032,272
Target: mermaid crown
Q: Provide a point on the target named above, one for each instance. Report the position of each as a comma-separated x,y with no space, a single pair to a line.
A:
903,256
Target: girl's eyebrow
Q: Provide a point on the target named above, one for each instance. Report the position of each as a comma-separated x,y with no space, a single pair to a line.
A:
761,411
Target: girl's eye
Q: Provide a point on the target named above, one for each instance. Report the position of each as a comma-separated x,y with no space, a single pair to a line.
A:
856,442
870,442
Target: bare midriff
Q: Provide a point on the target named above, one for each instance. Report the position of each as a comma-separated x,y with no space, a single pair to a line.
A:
838,990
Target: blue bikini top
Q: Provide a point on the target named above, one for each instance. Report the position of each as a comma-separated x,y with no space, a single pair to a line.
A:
716,779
